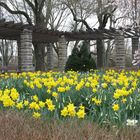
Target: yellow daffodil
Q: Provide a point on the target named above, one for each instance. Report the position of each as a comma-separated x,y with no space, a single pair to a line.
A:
36,115
115,107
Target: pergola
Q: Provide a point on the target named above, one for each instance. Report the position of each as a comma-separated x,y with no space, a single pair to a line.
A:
26,34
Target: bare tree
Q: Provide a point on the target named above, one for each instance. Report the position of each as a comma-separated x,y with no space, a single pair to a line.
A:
6,51
103,9
37,9
6,47
39,13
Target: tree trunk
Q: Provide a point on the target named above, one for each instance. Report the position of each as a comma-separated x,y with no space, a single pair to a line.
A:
107,54
39,48
49,56
100,53
39,57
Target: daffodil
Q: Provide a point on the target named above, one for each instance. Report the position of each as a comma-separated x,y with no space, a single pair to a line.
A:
115,107
36,115
81,113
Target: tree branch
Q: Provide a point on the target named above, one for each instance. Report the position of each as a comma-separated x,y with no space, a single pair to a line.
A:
36,6
48,11
30,4
41,5
16,12
79,20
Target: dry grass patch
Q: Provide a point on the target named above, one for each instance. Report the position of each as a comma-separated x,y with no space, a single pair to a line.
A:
18,126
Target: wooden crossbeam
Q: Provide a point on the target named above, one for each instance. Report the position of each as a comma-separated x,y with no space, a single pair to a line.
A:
39,30
12,30
18,25
10,23
27,26
4,24
2,20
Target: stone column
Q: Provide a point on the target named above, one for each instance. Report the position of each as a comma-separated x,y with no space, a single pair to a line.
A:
120,51
49,56
62,53
135,44
25,56
19,55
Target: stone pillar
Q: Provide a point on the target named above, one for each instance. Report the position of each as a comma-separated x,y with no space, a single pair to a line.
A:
25,56
19,55
62,53
135,44
120,51
49,56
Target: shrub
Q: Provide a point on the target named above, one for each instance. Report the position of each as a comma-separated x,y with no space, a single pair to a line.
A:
81,60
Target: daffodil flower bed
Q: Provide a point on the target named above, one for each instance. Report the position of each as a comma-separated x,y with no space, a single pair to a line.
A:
101,96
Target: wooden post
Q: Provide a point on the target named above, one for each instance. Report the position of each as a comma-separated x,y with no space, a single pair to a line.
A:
62,53
120,50
25,55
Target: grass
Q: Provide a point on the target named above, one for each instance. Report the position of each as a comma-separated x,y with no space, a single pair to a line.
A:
20,126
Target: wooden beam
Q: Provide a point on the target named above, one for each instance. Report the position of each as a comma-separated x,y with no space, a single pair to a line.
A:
18,25
10,23
2,20
4,24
